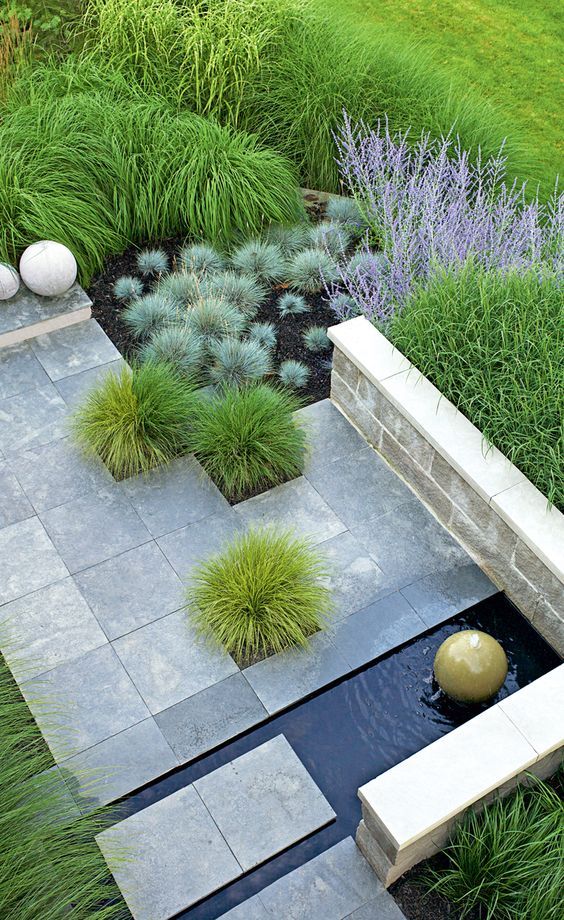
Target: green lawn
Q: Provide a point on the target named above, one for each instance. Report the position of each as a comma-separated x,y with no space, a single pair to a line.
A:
508,49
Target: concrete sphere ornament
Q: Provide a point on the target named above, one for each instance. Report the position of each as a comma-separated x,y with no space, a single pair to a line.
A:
470,666
48,268
9,281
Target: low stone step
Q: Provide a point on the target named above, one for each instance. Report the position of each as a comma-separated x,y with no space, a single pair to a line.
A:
26,315
186,846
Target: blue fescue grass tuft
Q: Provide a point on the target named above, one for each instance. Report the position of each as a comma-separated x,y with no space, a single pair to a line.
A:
293,374
316,339
201,259
310,269
127,287
181,287
148,314
178,346
235,362
152,262
264,261
291,304
242,291
212,319
263,333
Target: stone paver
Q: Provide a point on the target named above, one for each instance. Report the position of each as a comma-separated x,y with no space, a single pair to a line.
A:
131,590
251,909
14,505
296,506
176,856
375,630
75,388
381,908
210,717
26,308
47,628
84,701
119,764
28,560
353,578
188,546
94,527
32,418
439,596
271,786
20,371
169,663
168,498
74,349
330,435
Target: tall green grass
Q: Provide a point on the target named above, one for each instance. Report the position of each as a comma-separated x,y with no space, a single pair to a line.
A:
494,345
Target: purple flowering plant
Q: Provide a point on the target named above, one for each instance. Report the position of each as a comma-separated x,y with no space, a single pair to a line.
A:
428,207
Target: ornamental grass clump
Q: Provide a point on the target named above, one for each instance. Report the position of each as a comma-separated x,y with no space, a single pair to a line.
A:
264,334
151,262
293,374
137,418
148,314
127,287
292,304
289,239
310,270
242,291
201,259
331,237
259,259
179,346
235,362
262,594
316,339
213,319
247,439
181,287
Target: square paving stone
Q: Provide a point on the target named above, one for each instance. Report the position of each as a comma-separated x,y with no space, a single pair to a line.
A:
32,418
290,676
354,578
75,388
359,486
251,909
14,505
329,887
56,473
28,560
73,349
175,856
383,907
174,495
409,542
264,801
168,662
48,627
330,435
376,630
442,595
84,701
94,527
296,506
27,308
118,765
19,371
186,547
131,589
210,717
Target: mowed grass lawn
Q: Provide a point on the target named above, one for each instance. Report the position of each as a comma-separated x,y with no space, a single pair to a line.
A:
510,50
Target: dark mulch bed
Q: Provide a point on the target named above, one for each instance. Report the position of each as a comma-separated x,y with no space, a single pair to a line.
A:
415,899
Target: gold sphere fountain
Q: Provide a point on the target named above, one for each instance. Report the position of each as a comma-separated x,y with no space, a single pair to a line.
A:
470,666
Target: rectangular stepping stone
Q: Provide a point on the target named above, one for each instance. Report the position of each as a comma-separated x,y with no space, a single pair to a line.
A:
75,388
330,435
175,856
94,527
173,496
290,676
442,595
168,662
210,717
251,909
47,628
26,315
376,630
131,590
28,560
296,506
73,349
118,765
359,486
84,701
32,418
264,801
20,371
383,907
354,578
186,547
14,505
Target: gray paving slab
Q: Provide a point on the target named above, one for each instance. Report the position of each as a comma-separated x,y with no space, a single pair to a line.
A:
409,542
442,595
359,486
48,627
251,909
210,717
14,505
59,806
73,349
176,856
294,505
186,547
75,388
27,308
94,527
376,630
169,663
118,765
20,371
382,907
329,887
32,418
56,473
283,679
84,701
28,560
354,578
131,590
271,784
330,435
173,496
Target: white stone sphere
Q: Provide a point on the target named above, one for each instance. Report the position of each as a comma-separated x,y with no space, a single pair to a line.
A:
48,268
9,281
